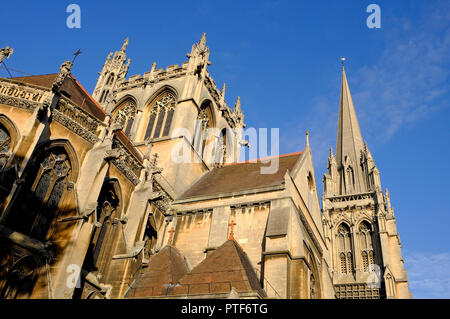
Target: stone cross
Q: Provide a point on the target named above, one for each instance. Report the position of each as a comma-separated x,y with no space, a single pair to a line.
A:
170,241
232,224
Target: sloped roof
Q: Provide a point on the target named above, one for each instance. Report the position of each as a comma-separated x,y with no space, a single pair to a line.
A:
224,268
167,266
237,177
72,87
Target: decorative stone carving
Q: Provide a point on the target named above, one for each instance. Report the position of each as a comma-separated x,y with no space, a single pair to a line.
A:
64,71
5,53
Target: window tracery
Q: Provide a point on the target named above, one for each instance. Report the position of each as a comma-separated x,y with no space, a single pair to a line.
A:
345,249
37,203
366,245
5,145
203,123
125,115
161,115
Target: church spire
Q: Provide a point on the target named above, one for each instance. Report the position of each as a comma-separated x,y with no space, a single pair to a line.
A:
349,141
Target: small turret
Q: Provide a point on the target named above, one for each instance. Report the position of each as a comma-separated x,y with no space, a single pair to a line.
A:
114,71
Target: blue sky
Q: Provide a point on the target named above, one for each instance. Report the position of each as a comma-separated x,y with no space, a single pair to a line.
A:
282,59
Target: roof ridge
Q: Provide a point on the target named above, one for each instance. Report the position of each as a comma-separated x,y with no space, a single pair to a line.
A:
254,161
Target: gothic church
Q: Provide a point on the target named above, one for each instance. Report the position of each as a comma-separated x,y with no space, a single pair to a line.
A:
93,204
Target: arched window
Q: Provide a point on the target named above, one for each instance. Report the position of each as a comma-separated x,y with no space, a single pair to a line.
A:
366,246
344,249
104,239
124,114
5,145
38,202
107,205
104,96
203,122
161,114
110,79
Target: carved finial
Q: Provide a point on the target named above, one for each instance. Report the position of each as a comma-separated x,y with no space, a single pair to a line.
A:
202,42
224,88
64,71
331,152
5,53
153,67
307,138
343,62
125,44
237,106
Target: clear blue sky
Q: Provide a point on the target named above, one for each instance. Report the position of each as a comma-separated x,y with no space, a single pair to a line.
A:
282,59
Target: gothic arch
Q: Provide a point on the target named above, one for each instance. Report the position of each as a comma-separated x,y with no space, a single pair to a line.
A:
206,120
163,88
70,150
158,113
47,192
9,136
366,243
315,286
105,237
13,131
124,113
344,248
366,219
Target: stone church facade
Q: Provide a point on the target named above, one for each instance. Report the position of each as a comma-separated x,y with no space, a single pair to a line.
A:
137,192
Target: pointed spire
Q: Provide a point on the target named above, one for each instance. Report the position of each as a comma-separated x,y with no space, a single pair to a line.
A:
349,140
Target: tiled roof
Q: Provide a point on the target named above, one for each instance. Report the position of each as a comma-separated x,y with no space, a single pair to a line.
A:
224,268
167,266
238,177
72,87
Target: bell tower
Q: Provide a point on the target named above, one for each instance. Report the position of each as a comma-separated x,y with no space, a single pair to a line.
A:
114,70
359,222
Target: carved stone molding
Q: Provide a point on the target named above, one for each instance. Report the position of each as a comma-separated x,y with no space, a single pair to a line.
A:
126,163
74,127
77,115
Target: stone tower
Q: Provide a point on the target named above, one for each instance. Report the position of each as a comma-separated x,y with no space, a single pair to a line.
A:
114,70
359,222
